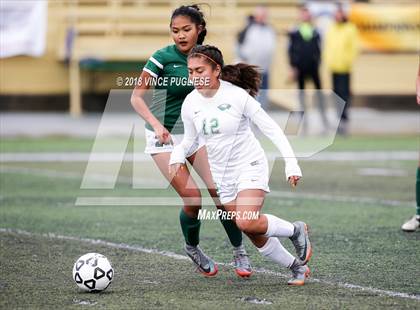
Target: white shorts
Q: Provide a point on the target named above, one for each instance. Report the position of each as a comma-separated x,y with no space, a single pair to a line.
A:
253,176
153,146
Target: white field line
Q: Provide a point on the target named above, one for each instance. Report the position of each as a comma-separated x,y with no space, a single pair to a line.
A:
137,201
336,198
141,157
169,254
382,172
98,177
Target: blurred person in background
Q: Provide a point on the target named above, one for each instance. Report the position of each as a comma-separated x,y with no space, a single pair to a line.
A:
241,35
256,46
304,58
414,223
340,51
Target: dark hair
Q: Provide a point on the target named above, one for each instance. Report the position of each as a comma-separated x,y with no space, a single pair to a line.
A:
196,16
242,75
242,35
303,7
340,8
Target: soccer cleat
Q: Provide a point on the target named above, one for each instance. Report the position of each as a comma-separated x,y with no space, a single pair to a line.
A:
300,240
205,264
299,274
241,261
412,224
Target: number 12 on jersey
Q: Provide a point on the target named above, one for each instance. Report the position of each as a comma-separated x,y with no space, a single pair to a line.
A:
211,127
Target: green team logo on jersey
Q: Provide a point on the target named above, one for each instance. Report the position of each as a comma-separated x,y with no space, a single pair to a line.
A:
224,106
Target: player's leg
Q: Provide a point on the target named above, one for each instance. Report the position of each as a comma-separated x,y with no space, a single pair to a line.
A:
320,100
200,163
248,204
414,223
341,86
270,225
253,184
262,96
418,191
188,190
302,99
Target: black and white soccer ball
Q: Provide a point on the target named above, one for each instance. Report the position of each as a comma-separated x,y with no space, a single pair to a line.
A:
93,272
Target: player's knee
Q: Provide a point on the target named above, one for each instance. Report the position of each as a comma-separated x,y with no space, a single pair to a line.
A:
191,197
191,211
245,225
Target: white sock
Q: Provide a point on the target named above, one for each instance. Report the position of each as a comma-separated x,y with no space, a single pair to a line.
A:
274,250
278,227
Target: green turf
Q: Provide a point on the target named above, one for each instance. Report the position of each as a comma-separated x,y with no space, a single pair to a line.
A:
356,143
145,281
354,242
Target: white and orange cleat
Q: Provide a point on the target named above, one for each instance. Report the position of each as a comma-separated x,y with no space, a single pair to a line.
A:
205,265
241,262
300,273
300,240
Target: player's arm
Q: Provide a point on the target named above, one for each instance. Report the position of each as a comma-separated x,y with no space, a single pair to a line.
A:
150,71
270,129
138,103
180,151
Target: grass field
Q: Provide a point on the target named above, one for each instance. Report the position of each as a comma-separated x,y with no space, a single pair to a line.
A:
362,260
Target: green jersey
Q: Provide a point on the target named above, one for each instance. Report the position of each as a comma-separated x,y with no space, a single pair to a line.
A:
168,67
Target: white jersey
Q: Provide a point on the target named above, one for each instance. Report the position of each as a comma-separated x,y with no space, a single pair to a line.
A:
224,122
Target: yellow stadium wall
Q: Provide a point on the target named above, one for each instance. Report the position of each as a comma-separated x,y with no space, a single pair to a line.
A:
373,74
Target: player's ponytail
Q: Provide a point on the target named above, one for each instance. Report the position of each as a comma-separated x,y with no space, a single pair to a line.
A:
242,75
197,17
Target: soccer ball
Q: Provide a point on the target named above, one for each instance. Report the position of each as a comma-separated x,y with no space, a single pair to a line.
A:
93,272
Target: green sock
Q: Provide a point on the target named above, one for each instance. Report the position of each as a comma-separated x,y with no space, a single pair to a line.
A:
233,232
418,191
190,228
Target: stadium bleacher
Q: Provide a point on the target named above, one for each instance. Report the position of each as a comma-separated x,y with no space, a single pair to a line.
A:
112,37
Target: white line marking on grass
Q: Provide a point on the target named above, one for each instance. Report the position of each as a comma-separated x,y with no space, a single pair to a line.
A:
206,201
141,157
105,201
348,286
169,254
99,177
334,198
382,172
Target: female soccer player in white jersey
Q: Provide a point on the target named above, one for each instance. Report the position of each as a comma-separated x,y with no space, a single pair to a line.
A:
163,130
221,113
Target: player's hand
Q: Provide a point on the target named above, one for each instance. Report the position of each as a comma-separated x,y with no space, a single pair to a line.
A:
293,180
293,173
162,134
174,168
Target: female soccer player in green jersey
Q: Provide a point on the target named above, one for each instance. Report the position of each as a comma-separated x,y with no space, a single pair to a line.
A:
221,113
414,223
164,129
